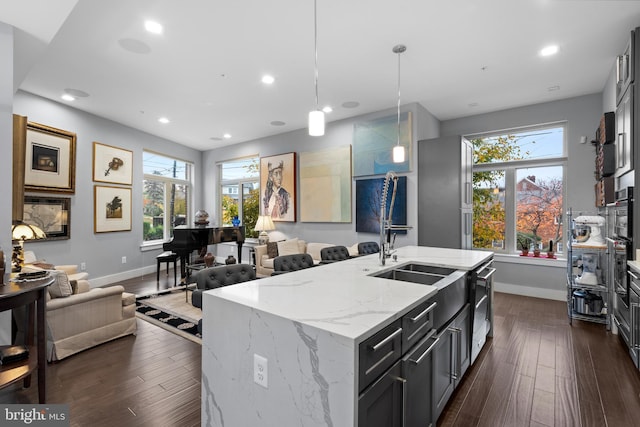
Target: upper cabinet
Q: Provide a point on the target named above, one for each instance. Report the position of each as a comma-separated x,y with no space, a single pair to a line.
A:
625,69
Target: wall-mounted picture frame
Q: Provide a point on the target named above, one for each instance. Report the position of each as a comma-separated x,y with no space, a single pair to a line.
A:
278,187
111,209
373,143
50,159
51,214
325,185
369,204
112,164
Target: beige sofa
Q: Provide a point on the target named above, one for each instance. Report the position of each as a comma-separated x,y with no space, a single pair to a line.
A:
86,318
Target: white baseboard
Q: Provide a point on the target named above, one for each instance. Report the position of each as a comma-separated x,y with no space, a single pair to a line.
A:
527,291
97,282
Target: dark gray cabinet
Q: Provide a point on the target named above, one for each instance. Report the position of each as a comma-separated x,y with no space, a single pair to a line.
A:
624,133
445,192
381,404
451,359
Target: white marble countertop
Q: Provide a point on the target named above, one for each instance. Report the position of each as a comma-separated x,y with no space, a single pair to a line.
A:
342,298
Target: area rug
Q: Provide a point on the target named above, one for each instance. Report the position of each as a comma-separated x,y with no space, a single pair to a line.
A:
171,312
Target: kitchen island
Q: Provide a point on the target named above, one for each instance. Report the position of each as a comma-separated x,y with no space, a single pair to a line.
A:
283,351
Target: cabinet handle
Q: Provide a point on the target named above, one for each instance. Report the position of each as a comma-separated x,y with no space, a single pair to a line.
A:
404,397
454,351
481,301
426,352
618,76
621,150
424,313
386,340
488,275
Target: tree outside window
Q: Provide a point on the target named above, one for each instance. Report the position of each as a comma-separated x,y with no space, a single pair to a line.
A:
518,189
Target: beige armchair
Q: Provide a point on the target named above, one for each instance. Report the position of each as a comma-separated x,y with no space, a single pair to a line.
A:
86,318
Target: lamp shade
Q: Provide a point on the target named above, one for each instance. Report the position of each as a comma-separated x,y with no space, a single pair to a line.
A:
398,154
316,123
264,223
22,231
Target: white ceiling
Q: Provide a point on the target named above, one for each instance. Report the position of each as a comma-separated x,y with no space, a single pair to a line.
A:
463,57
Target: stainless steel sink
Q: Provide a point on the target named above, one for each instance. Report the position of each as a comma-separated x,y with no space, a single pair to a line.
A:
429,269
451,284
410,276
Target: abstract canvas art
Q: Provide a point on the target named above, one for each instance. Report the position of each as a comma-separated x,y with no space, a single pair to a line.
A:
368,204
325,185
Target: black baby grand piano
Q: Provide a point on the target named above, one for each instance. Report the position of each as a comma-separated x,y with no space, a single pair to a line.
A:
188,239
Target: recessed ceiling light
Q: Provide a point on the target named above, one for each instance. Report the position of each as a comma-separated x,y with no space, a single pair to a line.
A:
350,104
163,120
267,79
227,135
549,50
153,27
67,97
327,109
76,93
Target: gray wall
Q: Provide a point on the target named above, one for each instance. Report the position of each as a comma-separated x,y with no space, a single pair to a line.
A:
101,252
582,114
338,133
6,161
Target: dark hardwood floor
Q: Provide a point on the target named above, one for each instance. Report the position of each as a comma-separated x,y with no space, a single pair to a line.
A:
536,371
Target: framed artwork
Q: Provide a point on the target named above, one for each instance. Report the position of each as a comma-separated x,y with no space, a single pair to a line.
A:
50,159
51,214
325,185
369,200
111,209
278,187
112,164
373,143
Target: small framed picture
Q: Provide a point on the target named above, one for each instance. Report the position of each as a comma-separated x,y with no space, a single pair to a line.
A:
51,214
112,164
50,159
112,209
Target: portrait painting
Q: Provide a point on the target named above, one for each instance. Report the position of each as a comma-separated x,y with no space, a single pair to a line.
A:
278,187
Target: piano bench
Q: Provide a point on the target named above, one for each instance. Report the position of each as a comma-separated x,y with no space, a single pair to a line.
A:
167,257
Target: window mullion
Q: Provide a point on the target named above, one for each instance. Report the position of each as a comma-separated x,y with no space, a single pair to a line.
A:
510,209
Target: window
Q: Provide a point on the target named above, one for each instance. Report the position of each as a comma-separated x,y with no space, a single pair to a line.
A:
240,177
166,195
518,189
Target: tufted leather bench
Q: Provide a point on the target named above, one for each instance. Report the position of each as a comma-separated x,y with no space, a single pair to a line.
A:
216,277
366,248
333,254
288,263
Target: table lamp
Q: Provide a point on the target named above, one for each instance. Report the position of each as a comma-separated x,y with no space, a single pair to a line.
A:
21,232
264,224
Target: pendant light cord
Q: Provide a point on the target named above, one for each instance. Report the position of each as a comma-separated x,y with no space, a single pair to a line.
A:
399,52
315,38
399,49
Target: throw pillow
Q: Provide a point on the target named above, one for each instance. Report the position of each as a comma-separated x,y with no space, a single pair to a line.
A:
272,249
353,250
288,247
60,287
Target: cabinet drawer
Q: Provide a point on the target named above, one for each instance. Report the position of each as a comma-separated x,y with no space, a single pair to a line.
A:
417,323
378,353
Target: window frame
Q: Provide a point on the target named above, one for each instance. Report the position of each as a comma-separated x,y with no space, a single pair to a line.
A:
239,183
511,180
167,182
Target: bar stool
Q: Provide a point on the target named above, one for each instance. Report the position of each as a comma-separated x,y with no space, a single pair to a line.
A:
167,257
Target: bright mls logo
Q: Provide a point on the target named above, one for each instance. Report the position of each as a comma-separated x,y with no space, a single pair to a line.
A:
37,415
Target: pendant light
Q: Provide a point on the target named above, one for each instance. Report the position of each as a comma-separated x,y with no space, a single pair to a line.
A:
316,117
398,150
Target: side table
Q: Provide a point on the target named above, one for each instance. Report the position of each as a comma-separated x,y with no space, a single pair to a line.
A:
32,295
